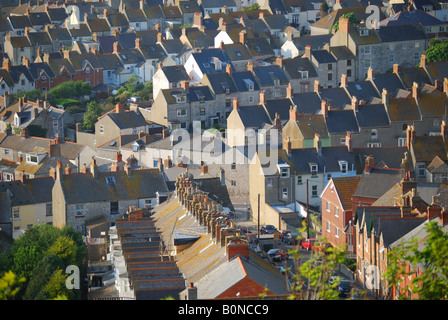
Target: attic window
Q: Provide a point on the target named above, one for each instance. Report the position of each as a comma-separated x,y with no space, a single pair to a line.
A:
304,74
363,32
313,169
343,165
31,158
249,84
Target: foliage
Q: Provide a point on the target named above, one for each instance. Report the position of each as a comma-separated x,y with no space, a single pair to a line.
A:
432,257
133,87
324,7
37,131
70,89
351,20
312,278
9,285
437,51
31,95
254,6
94,110
40,257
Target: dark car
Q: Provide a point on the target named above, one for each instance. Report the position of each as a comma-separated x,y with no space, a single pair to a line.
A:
291,239
277,255
268,229
283,234
344,288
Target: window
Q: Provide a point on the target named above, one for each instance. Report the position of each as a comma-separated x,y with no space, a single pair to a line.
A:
202,111
404,46
328,206
284,172
31,158
251,99
88,70
314,191
391,59
16,214
114,207
349,63
401,142
336,211
349,72
330,76
233,183
367,50
79,210
148,203
269,182
343,165
181,112
330,66
374,134
328,226
421,170
233,166
285,193
299,179
228,103
336,232
101,129
313,169
366,63
6,151
183,125
49,210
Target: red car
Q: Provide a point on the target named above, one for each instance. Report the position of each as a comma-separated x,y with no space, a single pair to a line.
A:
309,244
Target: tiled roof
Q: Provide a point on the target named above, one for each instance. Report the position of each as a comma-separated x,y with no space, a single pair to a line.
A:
345,187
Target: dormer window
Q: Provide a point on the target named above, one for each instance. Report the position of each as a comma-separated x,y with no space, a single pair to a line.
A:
303,74
181,98
249,84
363,32
343,165
32,159
313,169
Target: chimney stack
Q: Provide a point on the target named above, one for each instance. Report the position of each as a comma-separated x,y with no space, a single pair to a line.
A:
317,86
396,68
355,104
289,91
236,104
344,25
59,170
68,170
443,129
250,66
94,168
343,80
415,93
293,114
307,53
348,141
369,164
410,136
370,74
385,97
423,60
243,36
229,69
317,143
324,108
279,61
6,64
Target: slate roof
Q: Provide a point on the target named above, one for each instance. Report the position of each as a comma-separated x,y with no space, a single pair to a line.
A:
425,148
293,68
377,182
433,102
316,42
221,83
411,17
175,73
267,74
323,56
389,157
328,161
341,121
403,109
310,125
253,116
372,116
336,97
240,79
307,102
363,90
205,58
407,32
140,184
389,81
280,106
128,119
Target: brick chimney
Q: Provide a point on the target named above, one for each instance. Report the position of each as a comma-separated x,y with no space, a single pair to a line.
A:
396,68
119,108
159,37
317,143
355,104
279,61
443,129
250,66
307,53
385,97
59,170
261,15
443,217
445,85
115,47
370,73
344,25
277,122
94,168
343,80
415,91
184,84
262,97
236,104
229,69
324,108
293,113
118,157
237,246
410,136
369,163
52,173
243,36
289,91
433,210
204,169
138,43
68,170
197,20
6,64
348,141
423,60
25,61
317,86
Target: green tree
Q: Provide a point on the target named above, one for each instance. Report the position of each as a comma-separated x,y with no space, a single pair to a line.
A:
9,285
64,248
25,260
132,85
432,256
146,91
351,20
254,6
31,95
437,51
94,110
56,287
41,274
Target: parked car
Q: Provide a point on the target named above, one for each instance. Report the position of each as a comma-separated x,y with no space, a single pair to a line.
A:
283,234
268,229
308,244
291,239
277,255
344,288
